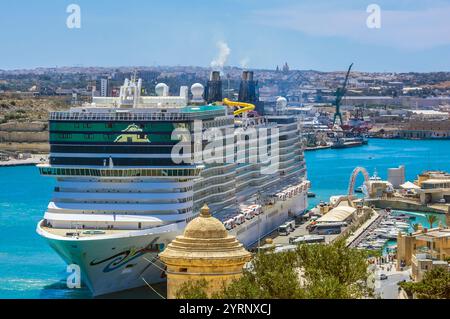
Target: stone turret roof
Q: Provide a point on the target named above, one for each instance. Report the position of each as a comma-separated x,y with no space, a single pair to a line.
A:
205,241
205,226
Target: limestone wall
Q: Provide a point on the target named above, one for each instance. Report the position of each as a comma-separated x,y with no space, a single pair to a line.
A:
23,127
403,205
216,282
24,136
25,147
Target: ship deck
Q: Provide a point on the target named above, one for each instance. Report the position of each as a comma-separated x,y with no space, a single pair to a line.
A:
83,233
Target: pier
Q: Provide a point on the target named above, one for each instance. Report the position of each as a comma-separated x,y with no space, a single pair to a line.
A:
361,233
35,159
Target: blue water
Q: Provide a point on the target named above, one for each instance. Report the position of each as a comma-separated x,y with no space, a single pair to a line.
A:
329,170
30,269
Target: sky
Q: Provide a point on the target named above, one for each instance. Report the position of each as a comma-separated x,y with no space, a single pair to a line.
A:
321,35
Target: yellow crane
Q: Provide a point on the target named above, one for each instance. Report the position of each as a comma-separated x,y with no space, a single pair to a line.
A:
242,107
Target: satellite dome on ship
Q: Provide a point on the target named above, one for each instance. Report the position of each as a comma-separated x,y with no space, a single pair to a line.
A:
281,103
162,89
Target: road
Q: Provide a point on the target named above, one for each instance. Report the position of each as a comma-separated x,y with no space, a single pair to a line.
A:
299,231
388,288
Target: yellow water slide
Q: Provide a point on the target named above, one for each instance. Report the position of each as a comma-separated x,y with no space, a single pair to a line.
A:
241,106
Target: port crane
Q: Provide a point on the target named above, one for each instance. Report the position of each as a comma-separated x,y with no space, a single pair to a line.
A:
340,93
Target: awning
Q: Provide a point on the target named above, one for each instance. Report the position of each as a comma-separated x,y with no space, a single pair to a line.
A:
409,185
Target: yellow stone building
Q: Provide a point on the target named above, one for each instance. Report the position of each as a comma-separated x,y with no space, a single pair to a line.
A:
204,251
423,250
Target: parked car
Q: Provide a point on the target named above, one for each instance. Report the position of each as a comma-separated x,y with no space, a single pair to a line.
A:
383,277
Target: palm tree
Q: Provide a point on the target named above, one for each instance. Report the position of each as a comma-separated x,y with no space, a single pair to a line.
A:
415,227
431,220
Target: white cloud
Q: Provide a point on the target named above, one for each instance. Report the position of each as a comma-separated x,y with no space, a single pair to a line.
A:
404,29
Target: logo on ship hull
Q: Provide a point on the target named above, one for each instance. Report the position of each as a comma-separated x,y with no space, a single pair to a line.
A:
132,134
120,259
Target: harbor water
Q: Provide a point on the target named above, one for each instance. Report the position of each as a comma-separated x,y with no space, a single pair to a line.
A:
30,269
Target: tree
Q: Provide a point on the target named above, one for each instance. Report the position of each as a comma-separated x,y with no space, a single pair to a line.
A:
415,227
269,276
431,219
334,270
192,290
311,271
435,285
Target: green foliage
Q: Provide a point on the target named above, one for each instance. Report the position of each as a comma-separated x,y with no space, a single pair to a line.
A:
415,227
270,276
431,220
311,271
334,271
435,285
192,290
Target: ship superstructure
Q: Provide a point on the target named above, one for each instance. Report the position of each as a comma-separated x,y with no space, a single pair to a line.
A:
123,191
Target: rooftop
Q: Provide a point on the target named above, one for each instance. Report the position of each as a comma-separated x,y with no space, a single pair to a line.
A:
338,214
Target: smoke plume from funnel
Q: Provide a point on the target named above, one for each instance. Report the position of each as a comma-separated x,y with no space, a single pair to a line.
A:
244,63
222,57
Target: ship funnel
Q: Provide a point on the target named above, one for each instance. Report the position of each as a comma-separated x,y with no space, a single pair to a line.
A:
248,91
247,88
213,90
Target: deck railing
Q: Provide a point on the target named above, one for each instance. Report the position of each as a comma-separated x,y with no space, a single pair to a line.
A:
130,116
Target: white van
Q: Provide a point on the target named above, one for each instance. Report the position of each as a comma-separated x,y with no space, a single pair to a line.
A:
283,230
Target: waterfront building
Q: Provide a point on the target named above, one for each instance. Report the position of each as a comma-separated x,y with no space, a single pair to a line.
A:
434,187
426,129
396,176
423,250
204,252
378,188
341,213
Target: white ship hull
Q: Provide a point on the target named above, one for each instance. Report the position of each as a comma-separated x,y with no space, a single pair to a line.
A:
119,262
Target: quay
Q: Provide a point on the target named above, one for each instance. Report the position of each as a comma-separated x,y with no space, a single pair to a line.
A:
316,148
33,160
409,205
355,239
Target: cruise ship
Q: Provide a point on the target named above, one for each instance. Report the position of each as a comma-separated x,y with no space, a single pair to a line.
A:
131,171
